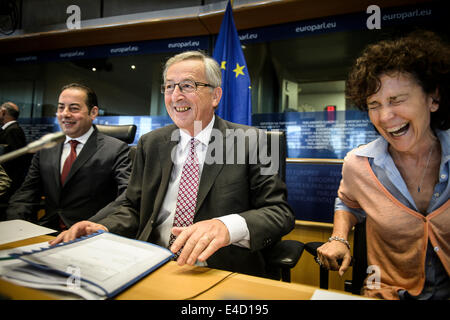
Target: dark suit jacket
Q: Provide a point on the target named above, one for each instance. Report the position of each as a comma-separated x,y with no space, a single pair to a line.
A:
14,137
224,189
99,174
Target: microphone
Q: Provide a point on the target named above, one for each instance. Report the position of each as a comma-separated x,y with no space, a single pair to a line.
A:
48,141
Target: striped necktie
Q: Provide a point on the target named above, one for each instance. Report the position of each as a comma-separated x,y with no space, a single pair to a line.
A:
69,160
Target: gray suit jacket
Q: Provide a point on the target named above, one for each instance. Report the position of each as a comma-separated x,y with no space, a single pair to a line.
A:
99,174
224,189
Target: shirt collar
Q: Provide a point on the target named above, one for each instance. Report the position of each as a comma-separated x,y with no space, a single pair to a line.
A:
444,138
81,139
378,149
203,136
6,125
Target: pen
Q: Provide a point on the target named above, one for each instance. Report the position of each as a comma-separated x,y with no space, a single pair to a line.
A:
7,258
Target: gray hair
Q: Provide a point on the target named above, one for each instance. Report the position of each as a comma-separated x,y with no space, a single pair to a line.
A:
212,69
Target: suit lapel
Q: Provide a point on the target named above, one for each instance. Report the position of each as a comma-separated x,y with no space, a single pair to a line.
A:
165,158
210,171
56,165
165,148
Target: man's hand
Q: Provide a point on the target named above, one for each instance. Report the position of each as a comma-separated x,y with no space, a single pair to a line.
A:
200,240
79,229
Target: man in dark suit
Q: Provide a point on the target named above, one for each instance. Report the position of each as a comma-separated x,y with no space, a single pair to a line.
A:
13,137
5,185
239,210
77,178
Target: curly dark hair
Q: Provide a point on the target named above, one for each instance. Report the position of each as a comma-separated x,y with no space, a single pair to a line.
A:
421,54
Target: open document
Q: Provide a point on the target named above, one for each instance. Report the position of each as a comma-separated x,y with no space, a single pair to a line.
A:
98,266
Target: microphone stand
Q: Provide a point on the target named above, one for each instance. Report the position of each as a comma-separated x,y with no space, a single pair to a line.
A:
45,142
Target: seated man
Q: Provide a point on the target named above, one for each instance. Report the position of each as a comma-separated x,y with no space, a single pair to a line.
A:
5,182
13,138
5,186
77,178
225,213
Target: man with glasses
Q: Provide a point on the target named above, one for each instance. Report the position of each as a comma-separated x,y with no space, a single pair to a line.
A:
210,213
78,177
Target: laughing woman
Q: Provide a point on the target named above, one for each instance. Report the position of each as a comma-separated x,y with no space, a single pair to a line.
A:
399,183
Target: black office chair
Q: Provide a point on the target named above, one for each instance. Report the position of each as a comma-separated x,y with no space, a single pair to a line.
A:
284,254
126,133
359,261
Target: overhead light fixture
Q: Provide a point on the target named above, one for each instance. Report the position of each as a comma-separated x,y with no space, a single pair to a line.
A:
94,69
133,66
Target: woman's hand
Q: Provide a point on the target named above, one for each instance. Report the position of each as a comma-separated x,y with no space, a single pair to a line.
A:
329,253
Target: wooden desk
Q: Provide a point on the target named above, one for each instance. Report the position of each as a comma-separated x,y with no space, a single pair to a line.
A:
175,283
244,287
15,292
171,282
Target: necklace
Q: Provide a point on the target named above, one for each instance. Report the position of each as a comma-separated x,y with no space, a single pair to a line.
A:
425,170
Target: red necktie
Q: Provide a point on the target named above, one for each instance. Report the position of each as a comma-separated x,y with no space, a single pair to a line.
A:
69,160
187,192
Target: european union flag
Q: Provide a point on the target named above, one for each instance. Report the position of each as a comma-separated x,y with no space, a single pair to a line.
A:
236,104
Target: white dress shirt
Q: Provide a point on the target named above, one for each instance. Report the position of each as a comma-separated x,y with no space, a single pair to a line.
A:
237,227
66,148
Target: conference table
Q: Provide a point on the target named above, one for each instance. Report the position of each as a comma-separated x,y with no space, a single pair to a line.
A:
172,282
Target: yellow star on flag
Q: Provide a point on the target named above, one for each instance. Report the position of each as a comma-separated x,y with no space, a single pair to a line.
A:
222,66
238,70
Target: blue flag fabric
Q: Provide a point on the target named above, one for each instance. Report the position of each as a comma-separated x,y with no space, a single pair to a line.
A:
236,104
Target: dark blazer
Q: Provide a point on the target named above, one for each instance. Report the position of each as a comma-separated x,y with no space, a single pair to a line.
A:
224,189
14,137
99,174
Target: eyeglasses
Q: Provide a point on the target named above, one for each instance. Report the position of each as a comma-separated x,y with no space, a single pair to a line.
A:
186,86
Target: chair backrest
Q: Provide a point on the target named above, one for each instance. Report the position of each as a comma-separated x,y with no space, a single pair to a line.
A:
126,132
359,272
282,151
283,255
